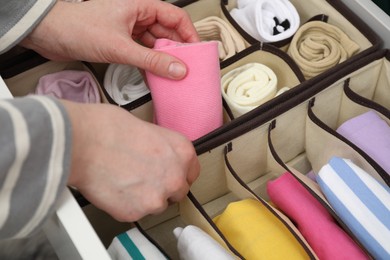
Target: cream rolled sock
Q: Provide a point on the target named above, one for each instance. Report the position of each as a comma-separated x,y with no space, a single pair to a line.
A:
124,83
213,28
318,46
247,87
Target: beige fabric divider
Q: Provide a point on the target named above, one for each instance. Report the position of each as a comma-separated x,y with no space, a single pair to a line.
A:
321,146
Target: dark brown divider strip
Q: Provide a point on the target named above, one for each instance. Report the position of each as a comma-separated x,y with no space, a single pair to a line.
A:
364,101
208,219
241,31
267,48
279,105
20,63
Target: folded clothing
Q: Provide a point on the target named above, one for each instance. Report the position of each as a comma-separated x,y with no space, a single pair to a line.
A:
312,219
267,20
248,86
213,28
256,233
370,133
360,201
74,85
133,245
124,83
195,244
193,105
318,46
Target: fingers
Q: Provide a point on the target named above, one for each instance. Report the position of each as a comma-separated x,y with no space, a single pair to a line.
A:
177,19
158,63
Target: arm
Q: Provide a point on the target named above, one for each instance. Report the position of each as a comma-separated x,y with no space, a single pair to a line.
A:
19,18
35,149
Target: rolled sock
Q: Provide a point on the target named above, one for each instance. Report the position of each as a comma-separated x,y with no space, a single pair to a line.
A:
133,245
248,86
193,244
267,20
318,46
256,233
124,83
312,219
360,201
74,85
193,105
213,28
370,133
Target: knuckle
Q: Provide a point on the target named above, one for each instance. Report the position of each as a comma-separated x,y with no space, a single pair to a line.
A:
152,60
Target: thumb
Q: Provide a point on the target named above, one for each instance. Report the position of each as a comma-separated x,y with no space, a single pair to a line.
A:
156,62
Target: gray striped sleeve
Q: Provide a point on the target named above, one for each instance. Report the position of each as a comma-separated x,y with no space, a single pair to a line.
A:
18,18
35,147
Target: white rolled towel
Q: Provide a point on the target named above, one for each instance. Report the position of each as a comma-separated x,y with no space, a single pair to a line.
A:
132,244
267,20
248,86
195,244
124,83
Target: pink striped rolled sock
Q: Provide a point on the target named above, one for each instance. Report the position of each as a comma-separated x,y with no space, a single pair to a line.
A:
193,105
315,223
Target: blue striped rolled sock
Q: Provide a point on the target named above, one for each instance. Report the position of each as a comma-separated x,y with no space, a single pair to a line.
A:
360,201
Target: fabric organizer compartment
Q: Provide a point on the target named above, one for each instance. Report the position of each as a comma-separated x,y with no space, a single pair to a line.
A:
250,155
332,12
272,62
51,77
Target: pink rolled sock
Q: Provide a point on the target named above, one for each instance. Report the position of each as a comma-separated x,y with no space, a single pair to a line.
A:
313,220
74,85
193,105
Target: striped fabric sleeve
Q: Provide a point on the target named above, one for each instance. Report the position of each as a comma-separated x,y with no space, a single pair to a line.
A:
18,18
35,150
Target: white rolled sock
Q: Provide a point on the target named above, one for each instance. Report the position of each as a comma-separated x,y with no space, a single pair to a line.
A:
124,83
267,20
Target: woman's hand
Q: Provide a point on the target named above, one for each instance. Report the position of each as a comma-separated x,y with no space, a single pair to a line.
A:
125,166
109,31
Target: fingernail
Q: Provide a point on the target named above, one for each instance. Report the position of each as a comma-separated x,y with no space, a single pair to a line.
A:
176,70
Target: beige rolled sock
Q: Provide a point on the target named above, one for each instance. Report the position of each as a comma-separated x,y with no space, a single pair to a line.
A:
213,28
318,46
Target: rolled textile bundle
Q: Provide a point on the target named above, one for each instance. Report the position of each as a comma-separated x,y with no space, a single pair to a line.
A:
318,46
213,28
124,83
312,219
360,201
370,133
256,233
195,244
267,20
132,244
74,85
248,86
193,105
